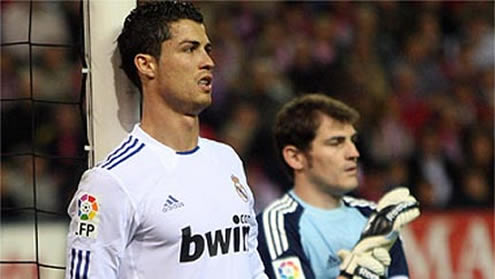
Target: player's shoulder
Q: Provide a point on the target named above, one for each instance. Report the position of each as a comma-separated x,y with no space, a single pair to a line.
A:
284,206
278,227
357,202
215,145
128,151
96,177
130,161
366,207
109,170
218,148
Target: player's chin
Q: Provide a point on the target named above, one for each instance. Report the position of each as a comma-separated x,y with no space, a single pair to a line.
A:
345,187
206,99
202,103
351,184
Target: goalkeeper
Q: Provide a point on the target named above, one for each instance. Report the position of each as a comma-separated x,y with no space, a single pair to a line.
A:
315,230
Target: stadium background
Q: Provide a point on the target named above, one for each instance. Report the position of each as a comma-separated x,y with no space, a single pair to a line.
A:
420,73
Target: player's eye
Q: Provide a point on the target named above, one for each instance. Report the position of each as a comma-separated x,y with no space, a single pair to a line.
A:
336,141
190,47
355,138
208,48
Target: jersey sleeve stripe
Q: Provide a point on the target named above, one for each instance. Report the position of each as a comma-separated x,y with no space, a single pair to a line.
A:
274,225
266,224
86,265
81,260
126,157
109,157
275,232
73,256
280,226
283,234
108,162
78,266
359,202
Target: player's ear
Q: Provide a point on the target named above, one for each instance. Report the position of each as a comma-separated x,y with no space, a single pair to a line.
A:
145,65
293,157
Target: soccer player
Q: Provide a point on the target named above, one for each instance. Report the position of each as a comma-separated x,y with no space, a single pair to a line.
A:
165,203
302,233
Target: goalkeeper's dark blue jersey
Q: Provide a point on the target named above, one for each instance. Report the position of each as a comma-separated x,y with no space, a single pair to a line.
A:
297,240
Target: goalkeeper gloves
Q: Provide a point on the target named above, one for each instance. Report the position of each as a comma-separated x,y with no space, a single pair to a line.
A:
369,257
394,210
365,265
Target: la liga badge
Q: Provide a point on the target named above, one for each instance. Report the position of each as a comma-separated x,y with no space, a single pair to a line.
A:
288,268
87,211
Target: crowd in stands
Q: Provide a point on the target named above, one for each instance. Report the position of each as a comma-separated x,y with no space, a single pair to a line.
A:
421,74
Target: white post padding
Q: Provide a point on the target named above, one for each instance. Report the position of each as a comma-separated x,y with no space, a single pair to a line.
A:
112,100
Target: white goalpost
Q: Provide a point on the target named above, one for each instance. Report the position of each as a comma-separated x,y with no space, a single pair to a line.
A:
112,102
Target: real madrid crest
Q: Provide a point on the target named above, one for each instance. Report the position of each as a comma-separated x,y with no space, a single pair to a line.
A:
241,191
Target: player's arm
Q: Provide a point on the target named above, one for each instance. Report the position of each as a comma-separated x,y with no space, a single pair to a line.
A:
281,253
99,229
256,264
398,268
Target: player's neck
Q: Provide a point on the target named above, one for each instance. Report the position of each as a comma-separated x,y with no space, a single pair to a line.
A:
313,196
177,131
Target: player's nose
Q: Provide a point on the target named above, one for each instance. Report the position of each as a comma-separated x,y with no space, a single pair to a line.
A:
207,61
352,151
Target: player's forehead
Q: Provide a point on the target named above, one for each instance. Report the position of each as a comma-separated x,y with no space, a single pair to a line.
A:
331,127
187,30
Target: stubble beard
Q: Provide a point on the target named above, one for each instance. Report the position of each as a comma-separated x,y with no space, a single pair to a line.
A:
200,106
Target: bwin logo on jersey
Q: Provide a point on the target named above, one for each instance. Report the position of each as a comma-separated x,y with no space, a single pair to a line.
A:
232,239
171,203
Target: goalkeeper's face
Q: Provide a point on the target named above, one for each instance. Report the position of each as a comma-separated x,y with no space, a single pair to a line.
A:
332,160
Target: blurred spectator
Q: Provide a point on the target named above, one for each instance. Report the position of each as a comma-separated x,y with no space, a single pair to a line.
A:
421,72
34,78
52,76
431,164
415,110
480,153
266,190
18,180
390,138
475,190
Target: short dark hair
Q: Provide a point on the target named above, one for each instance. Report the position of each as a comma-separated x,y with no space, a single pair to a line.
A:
146,27
298,120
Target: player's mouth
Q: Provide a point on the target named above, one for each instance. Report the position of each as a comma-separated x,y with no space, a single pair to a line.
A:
206,83
351,170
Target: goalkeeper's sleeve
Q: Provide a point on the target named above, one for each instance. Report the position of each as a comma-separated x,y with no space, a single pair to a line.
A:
282,253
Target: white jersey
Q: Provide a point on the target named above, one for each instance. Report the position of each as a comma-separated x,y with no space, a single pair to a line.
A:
147,211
